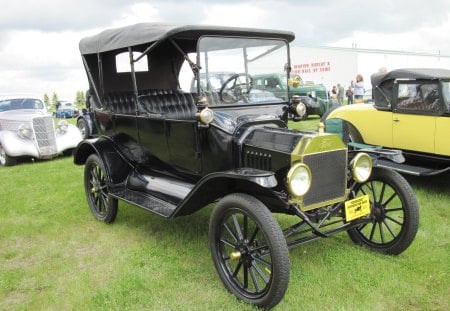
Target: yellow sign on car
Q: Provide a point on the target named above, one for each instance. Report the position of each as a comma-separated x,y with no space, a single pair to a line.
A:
357,207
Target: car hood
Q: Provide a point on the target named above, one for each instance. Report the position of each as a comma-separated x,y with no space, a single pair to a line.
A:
22,115
230,119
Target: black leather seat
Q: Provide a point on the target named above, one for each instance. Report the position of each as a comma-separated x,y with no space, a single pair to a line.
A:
169,104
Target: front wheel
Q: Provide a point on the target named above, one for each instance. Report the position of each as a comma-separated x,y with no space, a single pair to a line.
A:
249,250
394,213
6,160
102,205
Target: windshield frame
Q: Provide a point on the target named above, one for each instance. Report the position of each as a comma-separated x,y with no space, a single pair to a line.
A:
201,56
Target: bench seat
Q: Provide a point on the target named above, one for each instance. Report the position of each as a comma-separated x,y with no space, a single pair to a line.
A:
166,103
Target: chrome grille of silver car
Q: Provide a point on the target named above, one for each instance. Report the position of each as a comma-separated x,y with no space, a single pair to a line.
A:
44,131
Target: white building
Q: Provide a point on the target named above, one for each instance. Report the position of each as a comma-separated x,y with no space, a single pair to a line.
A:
332,65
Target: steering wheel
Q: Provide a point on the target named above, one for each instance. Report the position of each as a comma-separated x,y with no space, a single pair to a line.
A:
236,91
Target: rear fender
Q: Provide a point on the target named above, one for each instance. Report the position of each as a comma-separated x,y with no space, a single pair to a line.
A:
109,153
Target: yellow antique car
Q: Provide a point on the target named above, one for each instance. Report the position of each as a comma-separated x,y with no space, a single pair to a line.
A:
410,112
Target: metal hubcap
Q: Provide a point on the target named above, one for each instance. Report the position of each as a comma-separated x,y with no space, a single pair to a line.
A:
379,212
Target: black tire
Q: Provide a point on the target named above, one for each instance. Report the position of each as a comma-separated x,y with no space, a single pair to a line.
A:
103,206
6,160
84,128
394,212
249,250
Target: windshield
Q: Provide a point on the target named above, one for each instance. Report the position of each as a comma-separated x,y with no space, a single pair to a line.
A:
230,68
20,103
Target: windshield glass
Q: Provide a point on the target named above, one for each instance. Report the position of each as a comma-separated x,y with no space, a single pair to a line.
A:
230,68
446,94
20,103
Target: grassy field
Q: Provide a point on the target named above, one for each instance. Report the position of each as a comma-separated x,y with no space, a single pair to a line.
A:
55,256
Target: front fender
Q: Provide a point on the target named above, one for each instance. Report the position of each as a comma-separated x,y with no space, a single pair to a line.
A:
254,182
366,121
16,146
67,139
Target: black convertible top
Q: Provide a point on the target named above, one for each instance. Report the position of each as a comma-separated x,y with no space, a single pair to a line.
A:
410,73
113,39
382,83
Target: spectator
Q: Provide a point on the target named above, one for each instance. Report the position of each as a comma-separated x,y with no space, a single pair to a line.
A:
349,94
340,94
334,92
358,88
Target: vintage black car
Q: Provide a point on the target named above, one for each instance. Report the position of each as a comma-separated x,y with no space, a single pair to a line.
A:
171,151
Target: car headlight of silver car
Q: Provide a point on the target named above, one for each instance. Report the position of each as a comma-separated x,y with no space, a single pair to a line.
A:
63,125
361,167
299,179
25,131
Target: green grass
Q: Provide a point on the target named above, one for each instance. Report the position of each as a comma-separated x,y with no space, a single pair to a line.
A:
54,255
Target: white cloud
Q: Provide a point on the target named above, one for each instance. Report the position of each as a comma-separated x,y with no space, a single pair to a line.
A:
238,15
39,50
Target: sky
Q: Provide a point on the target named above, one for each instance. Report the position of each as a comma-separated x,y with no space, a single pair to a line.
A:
39,38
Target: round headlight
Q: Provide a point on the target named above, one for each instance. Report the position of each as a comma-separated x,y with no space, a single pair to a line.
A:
25,131
206,116
299,179
300,109
63,125
361,167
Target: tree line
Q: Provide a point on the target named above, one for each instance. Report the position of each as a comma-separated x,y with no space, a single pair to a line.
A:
80,99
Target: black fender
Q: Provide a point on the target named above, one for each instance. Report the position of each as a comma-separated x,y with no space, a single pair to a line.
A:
109,153
257,183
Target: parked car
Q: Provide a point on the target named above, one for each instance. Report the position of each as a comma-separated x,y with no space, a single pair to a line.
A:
411,112
85,120
172,153
28,130
313,96
66,110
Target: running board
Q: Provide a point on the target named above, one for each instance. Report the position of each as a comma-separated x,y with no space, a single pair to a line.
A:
147,202
155,192
411,169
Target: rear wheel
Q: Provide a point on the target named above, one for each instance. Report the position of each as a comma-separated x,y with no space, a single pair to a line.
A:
249,250
83,127
103,206
394,213
6,160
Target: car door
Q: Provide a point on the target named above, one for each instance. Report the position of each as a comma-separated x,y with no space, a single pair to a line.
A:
414,118
413,132
442,140
443,122
172,140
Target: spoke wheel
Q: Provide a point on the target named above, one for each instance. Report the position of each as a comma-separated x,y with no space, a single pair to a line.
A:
394,213
103,206
249,250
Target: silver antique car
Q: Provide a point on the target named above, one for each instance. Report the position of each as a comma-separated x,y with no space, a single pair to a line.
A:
27,130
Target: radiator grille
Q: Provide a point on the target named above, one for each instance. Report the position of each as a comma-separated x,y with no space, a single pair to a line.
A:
45,135
321,94
328,176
